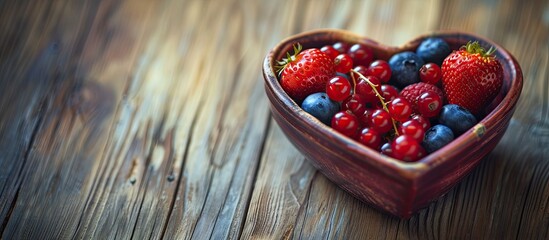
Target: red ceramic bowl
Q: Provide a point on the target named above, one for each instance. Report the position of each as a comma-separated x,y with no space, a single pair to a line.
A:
396,187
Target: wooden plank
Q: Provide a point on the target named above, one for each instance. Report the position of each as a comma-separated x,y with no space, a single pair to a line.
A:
36,76
279,195
481,202
170,139
124,119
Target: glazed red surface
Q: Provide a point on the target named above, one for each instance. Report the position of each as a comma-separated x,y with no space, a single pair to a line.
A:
396,187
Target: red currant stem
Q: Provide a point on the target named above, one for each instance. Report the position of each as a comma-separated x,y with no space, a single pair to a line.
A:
381,99
354,81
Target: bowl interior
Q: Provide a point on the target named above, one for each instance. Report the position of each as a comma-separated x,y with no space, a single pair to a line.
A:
502,104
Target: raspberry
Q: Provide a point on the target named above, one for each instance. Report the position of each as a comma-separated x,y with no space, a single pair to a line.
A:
413,91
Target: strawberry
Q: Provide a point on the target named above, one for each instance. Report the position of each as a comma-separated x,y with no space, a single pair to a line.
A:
413,91
471,77
306,72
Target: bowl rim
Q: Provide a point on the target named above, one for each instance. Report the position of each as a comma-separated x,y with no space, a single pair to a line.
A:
409,170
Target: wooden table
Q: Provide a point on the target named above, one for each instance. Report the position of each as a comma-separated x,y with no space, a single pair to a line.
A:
148,119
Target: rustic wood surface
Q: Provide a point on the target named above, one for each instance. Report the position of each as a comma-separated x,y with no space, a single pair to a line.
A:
148,119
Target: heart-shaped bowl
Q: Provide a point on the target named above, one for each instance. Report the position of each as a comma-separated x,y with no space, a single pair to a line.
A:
397,187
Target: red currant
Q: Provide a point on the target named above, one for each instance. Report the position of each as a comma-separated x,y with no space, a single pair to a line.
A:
429,104
400,109
343,63
381,121
355,103
366,117
421,153
346,123
430,73
341,47
423,121
361,54
361,69
412,128
364,89
370,137
381,70
338,88
389,92
330,51
406,148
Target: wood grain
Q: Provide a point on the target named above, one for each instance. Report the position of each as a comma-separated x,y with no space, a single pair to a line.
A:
148,119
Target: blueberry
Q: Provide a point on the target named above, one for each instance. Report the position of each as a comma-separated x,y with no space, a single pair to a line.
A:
457,118
437,137
405,68
433,50
320,106
343,75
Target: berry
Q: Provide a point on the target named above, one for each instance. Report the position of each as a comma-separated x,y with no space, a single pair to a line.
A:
343,75
381,121
338,88
360,97
361,69
412,128
457,118
380,69
406,148
363,88
305,72
429,104
400,109
343,63
388,92
423,121
386,149
330,51
346,123
361,55
405,68
366,117
421,152
355,103
412,92
433,50
472,77
430,73
370,137
341,47
320,106
437,137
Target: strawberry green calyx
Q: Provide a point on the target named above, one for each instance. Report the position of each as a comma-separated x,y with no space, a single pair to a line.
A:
289,58
475,48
